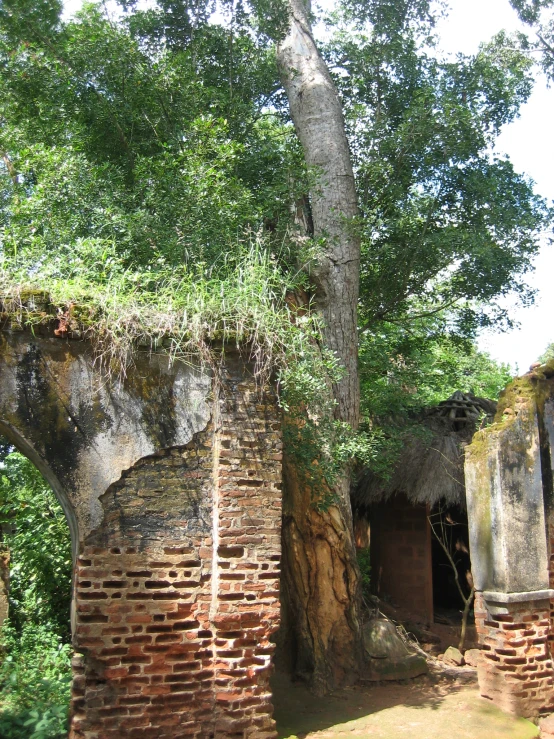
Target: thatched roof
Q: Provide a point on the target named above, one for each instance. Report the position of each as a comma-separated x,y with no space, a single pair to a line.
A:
431,466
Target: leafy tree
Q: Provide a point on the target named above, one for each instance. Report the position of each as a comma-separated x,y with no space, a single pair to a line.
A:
538,14
405,369
419,238
37,536
35,671
444,218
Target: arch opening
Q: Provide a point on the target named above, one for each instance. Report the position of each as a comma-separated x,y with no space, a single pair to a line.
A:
13,436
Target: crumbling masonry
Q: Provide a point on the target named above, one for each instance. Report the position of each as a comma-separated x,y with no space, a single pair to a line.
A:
170,481
509,473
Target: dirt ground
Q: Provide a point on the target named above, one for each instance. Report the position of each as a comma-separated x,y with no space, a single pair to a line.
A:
443,705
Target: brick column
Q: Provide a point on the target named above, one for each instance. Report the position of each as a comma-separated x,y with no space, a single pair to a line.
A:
248,540
516,671
143,628
177,593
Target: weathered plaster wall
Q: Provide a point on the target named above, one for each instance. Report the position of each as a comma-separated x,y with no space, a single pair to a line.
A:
84,430
509,496
171,483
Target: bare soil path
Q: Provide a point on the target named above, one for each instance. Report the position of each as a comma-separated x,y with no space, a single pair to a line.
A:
443,705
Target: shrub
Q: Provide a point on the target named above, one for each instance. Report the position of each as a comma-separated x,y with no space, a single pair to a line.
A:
35,663
35,679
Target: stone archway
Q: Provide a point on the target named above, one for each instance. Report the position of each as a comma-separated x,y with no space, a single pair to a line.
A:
171,485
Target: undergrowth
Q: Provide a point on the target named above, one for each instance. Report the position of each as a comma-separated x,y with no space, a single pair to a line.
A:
178,310
35,678
35,670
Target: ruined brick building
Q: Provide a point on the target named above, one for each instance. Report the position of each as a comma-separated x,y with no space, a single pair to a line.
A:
408,565
170,481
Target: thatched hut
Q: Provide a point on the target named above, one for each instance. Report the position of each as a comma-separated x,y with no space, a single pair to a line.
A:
407,565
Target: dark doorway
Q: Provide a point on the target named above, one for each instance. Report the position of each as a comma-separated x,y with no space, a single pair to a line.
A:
451,526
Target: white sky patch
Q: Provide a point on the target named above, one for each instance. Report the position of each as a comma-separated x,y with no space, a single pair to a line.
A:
70,7
529,144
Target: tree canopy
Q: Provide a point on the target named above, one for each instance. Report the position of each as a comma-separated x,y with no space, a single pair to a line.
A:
141,144
151,173
539,16
132,146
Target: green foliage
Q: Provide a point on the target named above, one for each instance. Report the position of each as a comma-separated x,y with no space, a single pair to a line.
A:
539,15
181,310
547,355
35,678
404,370
444,219
309,430
40,548
321,446
140,194
35,670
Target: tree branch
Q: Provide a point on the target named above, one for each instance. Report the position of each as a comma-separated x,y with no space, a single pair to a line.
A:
545,43
9,166
399,321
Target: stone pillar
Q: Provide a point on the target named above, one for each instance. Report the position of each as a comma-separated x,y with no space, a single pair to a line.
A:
547,429
509,553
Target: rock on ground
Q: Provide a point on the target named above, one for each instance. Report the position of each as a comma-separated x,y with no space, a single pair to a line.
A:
472,657
453,656
388,656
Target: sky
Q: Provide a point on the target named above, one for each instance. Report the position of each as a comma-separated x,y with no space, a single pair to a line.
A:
529,143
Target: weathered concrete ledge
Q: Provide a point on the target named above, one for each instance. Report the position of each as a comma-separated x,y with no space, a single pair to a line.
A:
532,595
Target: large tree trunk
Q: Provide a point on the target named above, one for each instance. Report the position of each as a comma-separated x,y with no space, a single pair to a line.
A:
320,573
4,583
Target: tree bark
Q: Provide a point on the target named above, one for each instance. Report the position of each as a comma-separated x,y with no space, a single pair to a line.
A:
320,572
317,115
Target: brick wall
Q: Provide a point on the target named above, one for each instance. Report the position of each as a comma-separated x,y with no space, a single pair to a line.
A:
176,593
516,671
401,555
